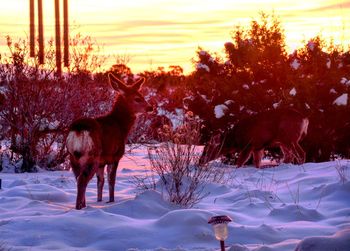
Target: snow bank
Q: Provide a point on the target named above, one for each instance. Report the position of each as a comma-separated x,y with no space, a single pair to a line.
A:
305,207
339,241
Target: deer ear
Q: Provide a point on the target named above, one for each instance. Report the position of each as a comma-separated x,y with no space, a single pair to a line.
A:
117,84
138,84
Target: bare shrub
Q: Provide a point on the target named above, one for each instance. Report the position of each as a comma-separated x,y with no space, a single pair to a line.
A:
174,162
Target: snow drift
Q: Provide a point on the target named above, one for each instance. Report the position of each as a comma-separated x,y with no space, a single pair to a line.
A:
283,208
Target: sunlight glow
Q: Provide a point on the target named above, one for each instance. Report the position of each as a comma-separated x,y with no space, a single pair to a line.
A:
161,33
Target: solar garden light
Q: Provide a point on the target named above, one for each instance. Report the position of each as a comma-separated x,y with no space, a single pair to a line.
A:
219,224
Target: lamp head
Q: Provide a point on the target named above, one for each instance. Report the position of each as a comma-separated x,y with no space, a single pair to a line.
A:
219,224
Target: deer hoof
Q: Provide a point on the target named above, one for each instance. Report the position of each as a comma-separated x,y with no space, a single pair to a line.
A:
80,206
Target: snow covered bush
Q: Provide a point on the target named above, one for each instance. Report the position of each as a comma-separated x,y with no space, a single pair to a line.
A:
258,75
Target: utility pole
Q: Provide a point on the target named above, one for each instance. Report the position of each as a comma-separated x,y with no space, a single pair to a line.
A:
41,32
65,33
32,28
58,37
41,52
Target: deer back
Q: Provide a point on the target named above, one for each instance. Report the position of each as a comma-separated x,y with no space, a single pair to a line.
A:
267,128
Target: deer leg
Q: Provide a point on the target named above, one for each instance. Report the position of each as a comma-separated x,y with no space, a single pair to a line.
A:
75,169
300,153
112,171
287,154
81,186
257,156
244,156
82,182
100,182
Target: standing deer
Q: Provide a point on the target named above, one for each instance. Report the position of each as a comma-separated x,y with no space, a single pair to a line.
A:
93,143
283,128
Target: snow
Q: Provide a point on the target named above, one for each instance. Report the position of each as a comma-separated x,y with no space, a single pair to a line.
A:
333,91
229,102
345,81
3,89
202,66
341,100
220,111
205,98
295,64
311,45
203,53
339,241
277,104
176,117
280,208
293,92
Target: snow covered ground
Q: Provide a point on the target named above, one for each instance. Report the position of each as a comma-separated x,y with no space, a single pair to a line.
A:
272,209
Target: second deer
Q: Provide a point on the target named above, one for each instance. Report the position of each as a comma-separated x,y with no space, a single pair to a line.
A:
93,143
283,128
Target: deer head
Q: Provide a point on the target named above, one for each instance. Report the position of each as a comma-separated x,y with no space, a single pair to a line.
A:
136,102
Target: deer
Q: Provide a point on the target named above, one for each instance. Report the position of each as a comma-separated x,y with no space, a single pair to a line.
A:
283,128
94,143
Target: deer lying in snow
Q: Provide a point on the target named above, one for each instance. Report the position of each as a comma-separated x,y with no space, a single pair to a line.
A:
93,143
283,128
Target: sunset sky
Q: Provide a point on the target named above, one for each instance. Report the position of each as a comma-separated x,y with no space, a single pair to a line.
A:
162,33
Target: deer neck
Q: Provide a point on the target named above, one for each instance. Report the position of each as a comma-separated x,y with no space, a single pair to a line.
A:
122,114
